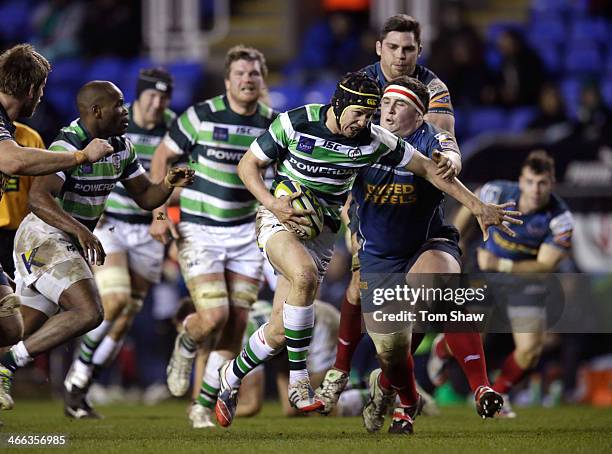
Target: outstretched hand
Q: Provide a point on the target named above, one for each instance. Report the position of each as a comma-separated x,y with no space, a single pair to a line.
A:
180,177
497,215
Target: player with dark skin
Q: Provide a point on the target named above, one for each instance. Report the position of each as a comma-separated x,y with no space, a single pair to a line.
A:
23,75
102,115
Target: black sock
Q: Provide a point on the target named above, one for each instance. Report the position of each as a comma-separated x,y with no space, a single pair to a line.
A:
8,361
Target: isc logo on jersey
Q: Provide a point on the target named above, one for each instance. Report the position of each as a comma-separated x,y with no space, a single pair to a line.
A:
306,201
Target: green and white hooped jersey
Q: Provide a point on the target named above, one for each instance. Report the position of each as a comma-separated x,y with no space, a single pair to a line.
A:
120,204
305,150
215,138
87,186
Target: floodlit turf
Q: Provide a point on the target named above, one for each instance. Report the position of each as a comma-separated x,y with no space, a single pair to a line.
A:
164,428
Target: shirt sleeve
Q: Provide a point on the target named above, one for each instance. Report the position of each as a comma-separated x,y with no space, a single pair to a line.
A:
59,144
183,133
133,167
5,134
398,152
560,231
273,144
443,141
439,98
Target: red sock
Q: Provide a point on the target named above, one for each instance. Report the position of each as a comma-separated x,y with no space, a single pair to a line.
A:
511,374
349,335
441,350
400,377
467,350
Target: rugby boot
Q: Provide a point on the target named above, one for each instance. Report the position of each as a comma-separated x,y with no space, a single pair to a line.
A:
200,416
6,380
330,389
402,421
302,397
227,399
378,404
488,401
178,372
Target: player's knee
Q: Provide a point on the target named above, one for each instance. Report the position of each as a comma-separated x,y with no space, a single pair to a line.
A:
115,304
305,279
391,347
91,317
11,330
133,305
529,355
243,293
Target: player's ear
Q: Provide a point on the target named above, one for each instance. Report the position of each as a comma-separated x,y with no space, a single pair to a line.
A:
227,83
420,50
378,48
96,110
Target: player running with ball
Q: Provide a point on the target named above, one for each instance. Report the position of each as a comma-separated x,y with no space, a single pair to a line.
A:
322,147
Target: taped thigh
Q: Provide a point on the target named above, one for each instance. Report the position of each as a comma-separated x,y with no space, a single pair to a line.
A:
243,293
113,279
9,305
62,276
387,343
208,294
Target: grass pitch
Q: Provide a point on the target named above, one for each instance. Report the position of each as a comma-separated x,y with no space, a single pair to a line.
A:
164,428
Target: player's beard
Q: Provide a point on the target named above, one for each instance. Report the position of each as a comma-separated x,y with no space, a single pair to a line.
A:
27,110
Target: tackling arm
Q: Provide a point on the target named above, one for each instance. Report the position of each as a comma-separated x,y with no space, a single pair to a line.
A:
18,160
486,214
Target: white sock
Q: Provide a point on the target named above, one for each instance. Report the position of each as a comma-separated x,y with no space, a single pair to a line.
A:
299,323
103,354
211,373
100,331
20,353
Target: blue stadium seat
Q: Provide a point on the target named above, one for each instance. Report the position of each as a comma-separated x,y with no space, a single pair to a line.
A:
187,77
570,90
487,119
520,117
286,96
550,55
589,29
16,27
551,30
606,91
69,71
320,92
583,57
63,99
551,5
107,68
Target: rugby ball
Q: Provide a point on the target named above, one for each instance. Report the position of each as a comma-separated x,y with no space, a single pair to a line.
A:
306,201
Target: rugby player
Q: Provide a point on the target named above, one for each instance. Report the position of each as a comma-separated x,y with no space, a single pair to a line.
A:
217,250
133,258
23,75
55,243
399,46
389,203
322,147
540,244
